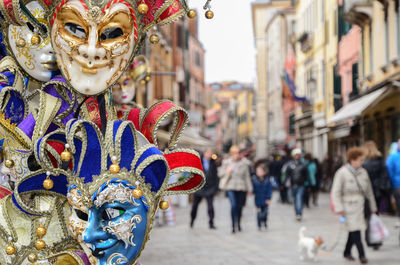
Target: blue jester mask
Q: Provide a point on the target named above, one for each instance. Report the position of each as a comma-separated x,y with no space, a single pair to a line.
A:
115,185
116,225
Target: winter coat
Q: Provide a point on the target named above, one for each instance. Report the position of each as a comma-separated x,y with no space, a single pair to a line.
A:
211,185
262,190
312,174
238,179
296,172
393,166
348,198
378,175
275,168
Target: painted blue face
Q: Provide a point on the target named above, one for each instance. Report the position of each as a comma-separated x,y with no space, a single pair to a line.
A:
116,228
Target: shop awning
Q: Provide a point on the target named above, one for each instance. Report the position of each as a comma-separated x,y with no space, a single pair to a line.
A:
356,107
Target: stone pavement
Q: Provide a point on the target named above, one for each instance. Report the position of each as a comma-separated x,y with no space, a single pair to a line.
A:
180,245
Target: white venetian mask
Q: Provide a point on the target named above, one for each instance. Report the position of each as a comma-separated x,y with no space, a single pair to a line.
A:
124,89
35,57
93,46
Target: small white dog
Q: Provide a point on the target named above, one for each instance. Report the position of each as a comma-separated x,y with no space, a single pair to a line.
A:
308,246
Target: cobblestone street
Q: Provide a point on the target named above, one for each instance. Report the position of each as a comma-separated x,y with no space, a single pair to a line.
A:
180,245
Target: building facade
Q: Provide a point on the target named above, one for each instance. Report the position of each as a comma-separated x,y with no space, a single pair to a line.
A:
230,117
278,33
317,79
262,13
373,107
188,65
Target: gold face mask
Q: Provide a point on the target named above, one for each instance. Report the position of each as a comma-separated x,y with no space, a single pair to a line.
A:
92,46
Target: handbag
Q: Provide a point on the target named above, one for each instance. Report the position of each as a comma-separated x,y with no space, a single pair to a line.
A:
367,208
224,181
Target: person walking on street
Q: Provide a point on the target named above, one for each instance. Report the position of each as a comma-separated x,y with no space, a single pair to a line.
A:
380,181
209,189
393,166
275,171
262,188
295,171
235,180
327,173
350,189
311,182
318,177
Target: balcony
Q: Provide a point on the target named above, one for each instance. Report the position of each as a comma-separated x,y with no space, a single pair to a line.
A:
358,11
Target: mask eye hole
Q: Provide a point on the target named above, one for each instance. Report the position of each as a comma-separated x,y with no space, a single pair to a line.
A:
75,30
111,33
81,215
110,213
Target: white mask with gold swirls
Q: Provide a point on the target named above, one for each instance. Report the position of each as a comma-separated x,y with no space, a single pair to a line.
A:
93,46
37,59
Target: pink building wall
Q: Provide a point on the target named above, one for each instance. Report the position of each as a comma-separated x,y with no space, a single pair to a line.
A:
349,49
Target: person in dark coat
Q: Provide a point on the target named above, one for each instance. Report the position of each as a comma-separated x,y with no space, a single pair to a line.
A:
295,171
275,171
262,189
209,189
378,175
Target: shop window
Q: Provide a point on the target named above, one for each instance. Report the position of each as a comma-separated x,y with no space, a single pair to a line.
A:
395,128
369,130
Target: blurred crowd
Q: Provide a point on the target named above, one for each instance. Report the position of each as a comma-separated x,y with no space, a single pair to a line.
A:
362,184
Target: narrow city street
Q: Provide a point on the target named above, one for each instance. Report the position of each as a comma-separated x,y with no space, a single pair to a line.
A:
180,245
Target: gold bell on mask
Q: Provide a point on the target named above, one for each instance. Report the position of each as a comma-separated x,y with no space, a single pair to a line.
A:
143,8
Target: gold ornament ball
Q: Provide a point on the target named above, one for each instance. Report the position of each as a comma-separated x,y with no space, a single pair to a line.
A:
191,13
32,257
209,14
48,184
147,78
164,205
114,168
137,193
21,43
35,40
9,163
154,39
65,155
11,250
143,82
41,231
40,244
143,8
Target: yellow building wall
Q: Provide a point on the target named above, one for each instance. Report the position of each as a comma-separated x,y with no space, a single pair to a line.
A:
331,12
244,107
379,61
323,51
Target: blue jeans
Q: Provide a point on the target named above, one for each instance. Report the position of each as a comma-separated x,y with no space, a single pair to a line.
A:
237,199
298,193
262,216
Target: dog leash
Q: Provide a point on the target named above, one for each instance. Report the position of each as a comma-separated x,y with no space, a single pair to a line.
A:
341,228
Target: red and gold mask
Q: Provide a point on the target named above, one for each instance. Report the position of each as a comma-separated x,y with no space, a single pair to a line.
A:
93,46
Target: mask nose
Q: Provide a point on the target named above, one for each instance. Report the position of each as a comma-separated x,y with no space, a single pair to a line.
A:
94,233
92,51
